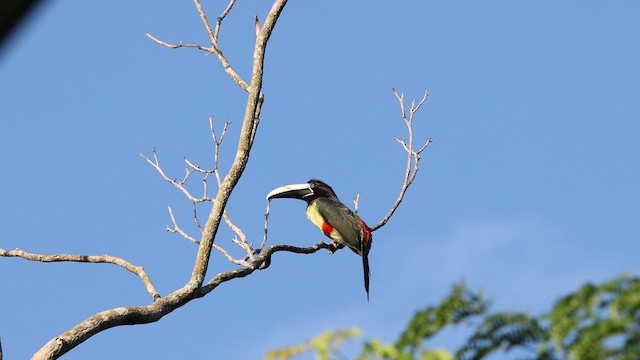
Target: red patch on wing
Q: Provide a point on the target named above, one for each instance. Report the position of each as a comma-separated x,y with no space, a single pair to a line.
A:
327,229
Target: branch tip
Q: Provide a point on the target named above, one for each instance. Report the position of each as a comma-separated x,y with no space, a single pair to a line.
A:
413,155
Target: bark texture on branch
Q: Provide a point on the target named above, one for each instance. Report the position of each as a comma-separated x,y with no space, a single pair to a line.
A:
132,315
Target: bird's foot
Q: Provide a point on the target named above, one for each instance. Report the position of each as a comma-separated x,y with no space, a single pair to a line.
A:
334,246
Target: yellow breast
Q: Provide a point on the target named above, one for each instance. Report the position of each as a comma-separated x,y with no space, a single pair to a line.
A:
319,221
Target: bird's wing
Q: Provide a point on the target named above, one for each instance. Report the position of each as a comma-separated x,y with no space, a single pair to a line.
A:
343,220
350,227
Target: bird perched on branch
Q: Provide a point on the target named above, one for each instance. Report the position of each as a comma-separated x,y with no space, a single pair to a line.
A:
332,217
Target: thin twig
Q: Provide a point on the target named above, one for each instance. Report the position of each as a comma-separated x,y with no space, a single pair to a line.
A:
195,217
193,168
178,184
215,46
243,243
266,227
413,155
180,44
104,259
229,257
197,167
177,229
217,141
220,18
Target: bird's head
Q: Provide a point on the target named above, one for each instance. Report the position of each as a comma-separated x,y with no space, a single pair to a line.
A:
308,191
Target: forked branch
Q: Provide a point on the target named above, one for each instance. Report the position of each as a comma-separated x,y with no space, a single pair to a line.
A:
178,184
240,238
193,288
213,38
411,170
413,154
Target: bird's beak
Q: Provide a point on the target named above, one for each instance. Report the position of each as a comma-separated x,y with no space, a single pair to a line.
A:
293,191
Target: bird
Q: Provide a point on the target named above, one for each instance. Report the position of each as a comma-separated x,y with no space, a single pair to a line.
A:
332,217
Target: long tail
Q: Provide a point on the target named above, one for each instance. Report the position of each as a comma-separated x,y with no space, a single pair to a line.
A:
367,273
365,245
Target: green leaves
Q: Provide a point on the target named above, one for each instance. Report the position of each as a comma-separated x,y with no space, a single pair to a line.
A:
598,321
502,330
459,305
324,345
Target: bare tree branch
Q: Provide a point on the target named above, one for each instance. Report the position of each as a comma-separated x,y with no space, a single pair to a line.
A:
241,238
213,38
263,261
260,259
243,243
266,227
217,140
176,228
178,184
134,315
180,44
104,259
193,289
413,155
195,216
247,133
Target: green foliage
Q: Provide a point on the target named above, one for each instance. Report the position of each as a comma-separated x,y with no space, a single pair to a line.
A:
501,330
377,350
596,322
599,321
325,345
459,305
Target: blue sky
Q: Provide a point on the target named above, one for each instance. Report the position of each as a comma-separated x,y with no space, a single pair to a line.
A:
529,189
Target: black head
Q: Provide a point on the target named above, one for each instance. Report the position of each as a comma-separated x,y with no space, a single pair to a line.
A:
321,189
308,192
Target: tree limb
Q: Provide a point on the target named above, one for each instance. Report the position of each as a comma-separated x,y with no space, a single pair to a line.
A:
104,259
193,289
135,315
213,38
247,133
